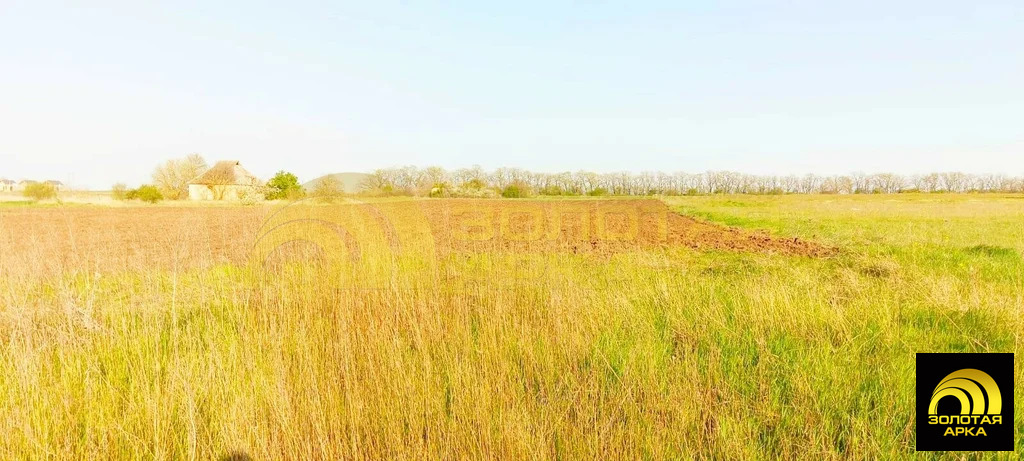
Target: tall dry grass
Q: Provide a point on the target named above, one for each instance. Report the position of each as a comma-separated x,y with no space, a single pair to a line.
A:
175,347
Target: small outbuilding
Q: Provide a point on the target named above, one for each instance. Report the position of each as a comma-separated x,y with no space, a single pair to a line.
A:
57,185
7,185
227,180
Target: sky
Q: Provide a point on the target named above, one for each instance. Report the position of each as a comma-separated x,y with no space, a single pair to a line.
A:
98,94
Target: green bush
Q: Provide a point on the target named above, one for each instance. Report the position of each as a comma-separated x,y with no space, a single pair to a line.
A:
284,185
148,194
473,184
458,192
598,192
514,191
440,189
552,190
40,191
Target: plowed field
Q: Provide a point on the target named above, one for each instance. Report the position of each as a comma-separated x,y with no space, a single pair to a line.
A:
54,240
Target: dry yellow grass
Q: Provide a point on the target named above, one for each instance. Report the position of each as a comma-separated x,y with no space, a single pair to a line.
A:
134,334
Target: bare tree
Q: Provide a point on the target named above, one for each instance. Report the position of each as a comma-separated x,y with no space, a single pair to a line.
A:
376,181
173,176
928,182
765,184
790,184
408,178
887,182
989,182
327,189
954,181
501,177
861,183
473,177
565,181
586,181
809,184
433,177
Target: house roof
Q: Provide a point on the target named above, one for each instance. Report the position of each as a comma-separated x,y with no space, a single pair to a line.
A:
226,173
53,182
27,181
6,181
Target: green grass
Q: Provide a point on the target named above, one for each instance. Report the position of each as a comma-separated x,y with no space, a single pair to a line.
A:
655,354
17,203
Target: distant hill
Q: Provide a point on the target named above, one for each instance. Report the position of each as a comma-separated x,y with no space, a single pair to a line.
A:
350,182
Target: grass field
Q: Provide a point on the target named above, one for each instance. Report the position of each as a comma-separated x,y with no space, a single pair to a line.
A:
149,332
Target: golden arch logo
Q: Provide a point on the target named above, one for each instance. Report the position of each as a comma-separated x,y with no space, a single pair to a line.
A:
976,391
982,384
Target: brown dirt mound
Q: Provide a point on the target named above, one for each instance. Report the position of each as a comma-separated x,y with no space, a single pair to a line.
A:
592,226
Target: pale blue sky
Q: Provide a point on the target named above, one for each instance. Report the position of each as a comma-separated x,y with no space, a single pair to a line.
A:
103,93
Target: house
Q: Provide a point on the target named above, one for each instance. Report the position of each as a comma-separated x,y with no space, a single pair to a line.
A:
227,180
6,185
23,184
57,185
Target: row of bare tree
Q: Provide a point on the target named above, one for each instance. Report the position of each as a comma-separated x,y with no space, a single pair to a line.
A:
422,181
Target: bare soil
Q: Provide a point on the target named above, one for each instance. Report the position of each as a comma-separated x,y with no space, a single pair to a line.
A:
594,226
54,240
